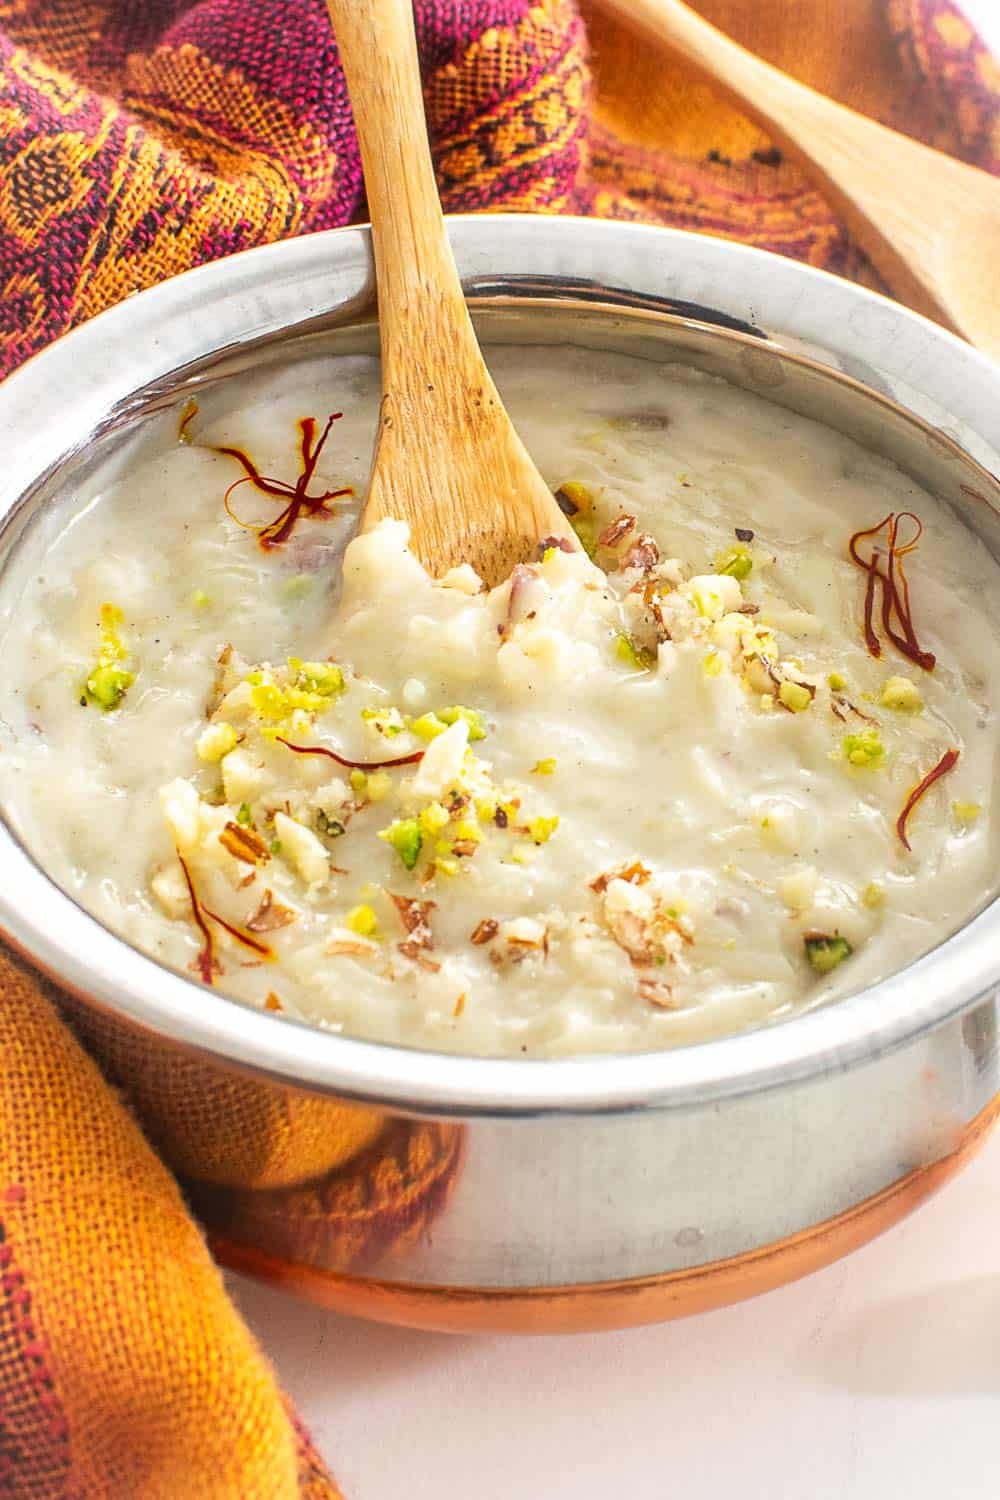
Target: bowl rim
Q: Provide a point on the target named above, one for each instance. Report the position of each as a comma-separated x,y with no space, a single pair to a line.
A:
48,927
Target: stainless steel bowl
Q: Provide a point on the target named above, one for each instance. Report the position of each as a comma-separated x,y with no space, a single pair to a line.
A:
582,1192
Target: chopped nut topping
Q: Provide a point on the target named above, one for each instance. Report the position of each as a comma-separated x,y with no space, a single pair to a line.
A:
350,947
555,543
485,932
643,553
657,993
270,914
414,916
616,530
635,873
245,844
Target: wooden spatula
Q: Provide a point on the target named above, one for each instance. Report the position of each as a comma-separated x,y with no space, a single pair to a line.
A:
447,458
929,224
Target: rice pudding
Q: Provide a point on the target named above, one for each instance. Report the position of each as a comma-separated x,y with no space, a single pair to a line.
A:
733,759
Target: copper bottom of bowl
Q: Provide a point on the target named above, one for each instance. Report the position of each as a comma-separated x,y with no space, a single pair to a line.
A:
615,1304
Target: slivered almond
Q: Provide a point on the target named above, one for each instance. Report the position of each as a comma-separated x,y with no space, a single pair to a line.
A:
618,528
270,914
644,553
411,949
414,916
655,992
245,844
636,874
351,947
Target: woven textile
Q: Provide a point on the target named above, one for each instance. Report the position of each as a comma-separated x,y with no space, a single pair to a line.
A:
141,137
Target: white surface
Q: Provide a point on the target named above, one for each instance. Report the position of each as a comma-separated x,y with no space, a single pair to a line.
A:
878,1378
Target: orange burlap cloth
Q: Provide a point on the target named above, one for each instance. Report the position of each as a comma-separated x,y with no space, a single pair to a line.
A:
138,140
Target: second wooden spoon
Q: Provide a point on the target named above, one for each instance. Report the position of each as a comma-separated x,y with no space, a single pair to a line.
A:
929,224
447,459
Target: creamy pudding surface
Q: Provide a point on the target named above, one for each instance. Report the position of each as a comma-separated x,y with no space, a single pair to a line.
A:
735,758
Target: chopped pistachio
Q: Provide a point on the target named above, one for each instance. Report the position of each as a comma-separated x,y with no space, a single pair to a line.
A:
795,695
244,816
825,953
405,837
965,812
109,682
471,716
446,866
433,818
736,562
837,682
541,829
332,827
901,694
632,655
873,895
106,686
362,920
215,741
544,767
485,809
323,677
712,664
465,829
549,554
200,600
275,846
379,786
428,726
864,749
359,782
266,698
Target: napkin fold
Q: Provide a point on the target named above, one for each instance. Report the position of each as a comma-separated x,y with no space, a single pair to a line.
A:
137,141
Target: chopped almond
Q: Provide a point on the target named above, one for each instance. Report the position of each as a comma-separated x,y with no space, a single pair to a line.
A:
618,528
636,874
655,992
245,844
270,915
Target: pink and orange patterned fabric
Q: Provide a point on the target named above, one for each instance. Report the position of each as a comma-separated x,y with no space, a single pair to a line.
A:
139,138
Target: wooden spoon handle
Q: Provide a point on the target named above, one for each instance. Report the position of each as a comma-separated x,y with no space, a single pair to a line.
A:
419,286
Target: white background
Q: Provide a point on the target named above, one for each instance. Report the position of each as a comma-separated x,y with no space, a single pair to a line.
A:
876,1379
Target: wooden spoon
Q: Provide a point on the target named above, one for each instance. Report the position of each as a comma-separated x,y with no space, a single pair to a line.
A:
929,224
447,458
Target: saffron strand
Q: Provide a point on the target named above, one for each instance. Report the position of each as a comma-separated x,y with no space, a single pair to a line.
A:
947,763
